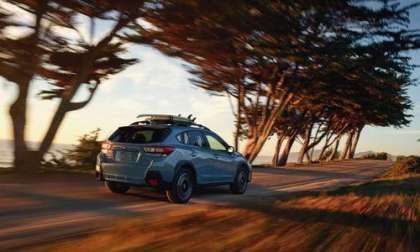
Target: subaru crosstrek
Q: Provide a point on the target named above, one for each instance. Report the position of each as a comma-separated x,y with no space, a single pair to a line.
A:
172,154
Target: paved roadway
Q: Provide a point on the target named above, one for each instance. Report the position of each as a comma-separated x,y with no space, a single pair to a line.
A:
55,206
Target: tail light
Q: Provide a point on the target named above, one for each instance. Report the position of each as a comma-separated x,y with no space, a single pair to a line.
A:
106,147
163,150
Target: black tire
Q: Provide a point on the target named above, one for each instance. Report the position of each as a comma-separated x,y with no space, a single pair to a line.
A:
182,187
240,184
116,187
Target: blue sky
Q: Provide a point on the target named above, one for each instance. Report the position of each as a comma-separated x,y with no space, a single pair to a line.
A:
160,85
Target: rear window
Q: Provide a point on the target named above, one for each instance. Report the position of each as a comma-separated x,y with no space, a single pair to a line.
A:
139,135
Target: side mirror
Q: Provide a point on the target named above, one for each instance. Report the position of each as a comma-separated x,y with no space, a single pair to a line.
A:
231,149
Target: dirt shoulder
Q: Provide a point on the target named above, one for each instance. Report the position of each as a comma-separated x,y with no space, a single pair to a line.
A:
381,215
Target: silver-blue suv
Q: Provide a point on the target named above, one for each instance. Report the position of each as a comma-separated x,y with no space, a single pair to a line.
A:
172,154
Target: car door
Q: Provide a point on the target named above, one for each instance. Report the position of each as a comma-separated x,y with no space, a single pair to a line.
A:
201,157
223,165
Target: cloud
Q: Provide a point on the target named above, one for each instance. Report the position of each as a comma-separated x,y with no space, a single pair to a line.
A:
407,132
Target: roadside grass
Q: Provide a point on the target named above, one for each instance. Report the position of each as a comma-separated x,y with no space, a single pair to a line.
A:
383,215
404,166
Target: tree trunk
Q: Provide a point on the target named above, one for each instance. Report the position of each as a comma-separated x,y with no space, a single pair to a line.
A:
334,150
22,157
308,157
326,145
286,151
279,143
351,137
355,141
255,144
301,155
249,146
237,129
239,104
304,148
25,160
53,128
259,144
18,115
346,149
323,150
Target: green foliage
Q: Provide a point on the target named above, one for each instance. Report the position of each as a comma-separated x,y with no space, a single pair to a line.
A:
348,51
404,166
328,153
81,156
376,156
50,44
86,151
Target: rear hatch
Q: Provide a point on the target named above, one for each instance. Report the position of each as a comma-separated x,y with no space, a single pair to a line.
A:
127,152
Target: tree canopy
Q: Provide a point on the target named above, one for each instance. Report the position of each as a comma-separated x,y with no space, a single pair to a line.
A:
50,44
306,71
342,62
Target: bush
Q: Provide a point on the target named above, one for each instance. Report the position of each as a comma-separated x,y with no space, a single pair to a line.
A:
381,156
376,156
81,156
328,153
403,166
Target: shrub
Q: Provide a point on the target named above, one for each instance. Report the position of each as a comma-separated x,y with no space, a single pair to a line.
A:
403,166
376,156
86,151
82,156
381,156
328,153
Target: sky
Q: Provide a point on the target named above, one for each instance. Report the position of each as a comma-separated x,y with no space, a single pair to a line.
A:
159,84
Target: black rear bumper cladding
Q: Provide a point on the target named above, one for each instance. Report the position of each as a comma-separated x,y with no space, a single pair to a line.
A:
99,176
162,185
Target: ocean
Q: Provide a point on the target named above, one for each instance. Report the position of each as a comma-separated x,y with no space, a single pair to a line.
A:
6,151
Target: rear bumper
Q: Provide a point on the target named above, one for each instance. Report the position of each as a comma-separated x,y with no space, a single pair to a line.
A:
151,176
152,179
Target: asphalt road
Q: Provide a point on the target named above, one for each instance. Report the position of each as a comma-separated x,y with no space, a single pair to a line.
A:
55,206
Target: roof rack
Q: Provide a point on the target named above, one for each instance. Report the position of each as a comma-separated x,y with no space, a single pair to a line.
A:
158,119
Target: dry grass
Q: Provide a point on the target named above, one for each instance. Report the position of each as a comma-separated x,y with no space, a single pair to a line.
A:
383,215
404,166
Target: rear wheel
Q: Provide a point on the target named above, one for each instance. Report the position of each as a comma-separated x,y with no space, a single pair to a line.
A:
116,187
240,184
181,188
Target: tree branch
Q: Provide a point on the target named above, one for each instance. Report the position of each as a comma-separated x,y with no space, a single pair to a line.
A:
78,105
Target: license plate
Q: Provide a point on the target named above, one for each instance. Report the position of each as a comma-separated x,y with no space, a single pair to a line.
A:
125,156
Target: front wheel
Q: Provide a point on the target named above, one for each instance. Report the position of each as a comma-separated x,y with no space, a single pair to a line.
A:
117,187
240,184
181,188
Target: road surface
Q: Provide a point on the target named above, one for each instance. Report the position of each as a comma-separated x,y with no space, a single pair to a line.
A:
56,206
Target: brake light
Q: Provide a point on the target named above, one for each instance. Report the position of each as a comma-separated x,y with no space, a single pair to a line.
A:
164,150
106,147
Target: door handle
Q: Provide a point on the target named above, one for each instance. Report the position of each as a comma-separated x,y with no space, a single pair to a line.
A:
194,154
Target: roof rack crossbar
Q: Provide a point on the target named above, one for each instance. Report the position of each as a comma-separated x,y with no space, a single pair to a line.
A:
158,117
150,119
